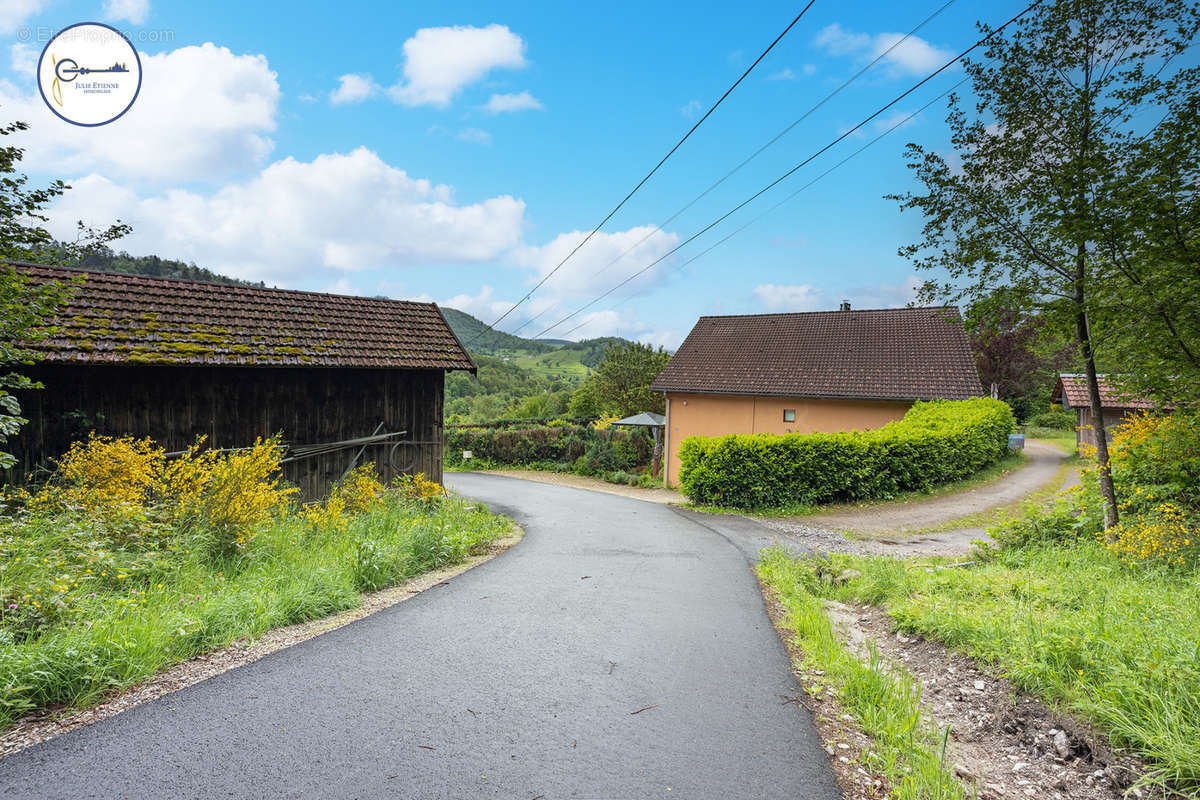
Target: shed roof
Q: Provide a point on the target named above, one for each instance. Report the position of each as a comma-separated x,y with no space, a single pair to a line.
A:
1071,391
884,354
114,318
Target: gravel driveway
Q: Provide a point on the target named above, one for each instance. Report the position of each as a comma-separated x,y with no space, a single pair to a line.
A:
619,651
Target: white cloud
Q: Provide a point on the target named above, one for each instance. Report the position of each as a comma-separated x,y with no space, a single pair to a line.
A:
484,305
613,322
591,270
474,135
135,11
786,74
797,297
806,297
501,103
914,57
353,89
294,221
439,62
203,113
885,295
895,118
24,60
692,109
14,12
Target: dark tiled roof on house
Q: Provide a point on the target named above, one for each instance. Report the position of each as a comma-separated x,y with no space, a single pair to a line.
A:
1072,392
888,354
131,319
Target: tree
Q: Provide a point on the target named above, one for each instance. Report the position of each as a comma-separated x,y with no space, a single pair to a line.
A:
1017,352
1149,318
621,383
1061,103
27,308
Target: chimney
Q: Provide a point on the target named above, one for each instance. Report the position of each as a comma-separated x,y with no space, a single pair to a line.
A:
845,305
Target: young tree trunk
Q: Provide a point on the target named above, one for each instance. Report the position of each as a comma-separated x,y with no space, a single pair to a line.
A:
1107,491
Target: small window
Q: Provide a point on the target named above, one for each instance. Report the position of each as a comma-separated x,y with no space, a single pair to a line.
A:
789,415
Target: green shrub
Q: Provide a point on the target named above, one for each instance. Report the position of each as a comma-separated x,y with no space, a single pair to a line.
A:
934,443
584,450
1056,419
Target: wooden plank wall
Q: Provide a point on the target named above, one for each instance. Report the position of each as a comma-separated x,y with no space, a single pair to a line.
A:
233,405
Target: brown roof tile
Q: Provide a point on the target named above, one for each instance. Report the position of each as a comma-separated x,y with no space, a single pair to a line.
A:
119,319
901,353
1071,391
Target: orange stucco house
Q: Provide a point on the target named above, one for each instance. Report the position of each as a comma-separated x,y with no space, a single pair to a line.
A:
807,372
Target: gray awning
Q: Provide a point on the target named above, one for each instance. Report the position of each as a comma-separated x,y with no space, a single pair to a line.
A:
646,419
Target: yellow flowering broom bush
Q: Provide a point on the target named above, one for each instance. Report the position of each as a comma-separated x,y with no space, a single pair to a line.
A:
172,557
1155,464
360,491
106,476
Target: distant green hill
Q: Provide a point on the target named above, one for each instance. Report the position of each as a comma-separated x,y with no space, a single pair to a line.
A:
483,341
108,261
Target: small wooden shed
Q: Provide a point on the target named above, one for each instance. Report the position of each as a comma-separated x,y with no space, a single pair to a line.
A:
1072,392
173,360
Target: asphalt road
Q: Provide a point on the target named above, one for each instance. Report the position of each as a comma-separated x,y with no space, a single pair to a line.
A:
517,679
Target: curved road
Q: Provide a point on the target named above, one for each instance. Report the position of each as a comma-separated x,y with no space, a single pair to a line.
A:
517,679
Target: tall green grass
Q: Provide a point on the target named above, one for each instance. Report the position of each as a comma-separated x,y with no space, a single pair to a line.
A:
885,700
1117,644
83,616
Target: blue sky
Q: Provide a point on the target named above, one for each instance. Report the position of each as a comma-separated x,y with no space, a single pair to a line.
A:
456,151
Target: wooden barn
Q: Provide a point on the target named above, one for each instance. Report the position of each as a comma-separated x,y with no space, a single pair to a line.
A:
174,360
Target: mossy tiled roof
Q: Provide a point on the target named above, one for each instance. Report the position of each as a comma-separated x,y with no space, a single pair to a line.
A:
115,318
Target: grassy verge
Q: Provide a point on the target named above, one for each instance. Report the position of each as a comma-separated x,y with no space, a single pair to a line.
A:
1063,440
884,701
85,614
1116,644
989,474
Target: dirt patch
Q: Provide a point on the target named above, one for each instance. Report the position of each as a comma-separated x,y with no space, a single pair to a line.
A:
897,519
844,743
595,484
819,540
1003,743
42,725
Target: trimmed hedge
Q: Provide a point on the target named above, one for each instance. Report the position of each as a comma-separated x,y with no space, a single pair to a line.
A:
936,442
584,449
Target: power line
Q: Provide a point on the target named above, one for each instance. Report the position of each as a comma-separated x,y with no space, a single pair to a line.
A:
796,168
640,183
662,225
791,196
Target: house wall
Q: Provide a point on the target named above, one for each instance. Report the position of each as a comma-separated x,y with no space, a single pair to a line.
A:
234,405
1085,434
718,415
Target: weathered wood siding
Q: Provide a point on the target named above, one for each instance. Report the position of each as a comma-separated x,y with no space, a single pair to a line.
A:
233,405
1085,430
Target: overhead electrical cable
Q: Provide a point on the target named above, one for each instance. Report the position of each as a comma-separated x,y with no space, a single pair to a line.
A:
662,225
791,196
649,174
794,169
